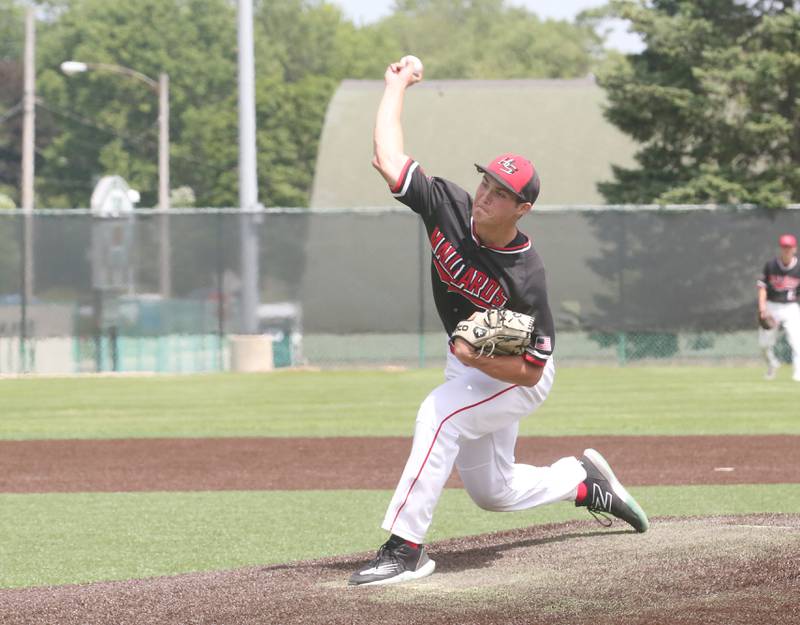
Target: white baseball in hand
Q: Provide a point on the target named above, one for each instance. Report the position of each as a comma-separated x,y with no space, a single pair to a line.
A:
415,63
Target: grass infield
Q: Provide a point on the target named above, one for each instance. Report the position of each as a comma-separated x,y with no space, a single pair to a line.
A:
72,538
590,400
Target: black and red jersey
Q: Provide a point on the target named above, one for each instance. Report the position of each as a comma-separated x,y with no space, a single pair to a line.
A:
781,281
469,276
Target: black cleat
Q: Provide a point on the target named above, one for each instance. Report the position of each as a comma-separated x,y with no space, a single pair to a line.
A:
394,564
605,495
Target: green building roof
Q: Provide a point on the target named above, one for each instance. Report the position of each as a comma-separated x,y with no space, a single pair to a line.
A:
451,124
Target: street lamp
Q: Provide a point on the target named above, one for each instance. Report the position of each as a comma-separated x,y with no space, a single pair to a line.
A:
161,88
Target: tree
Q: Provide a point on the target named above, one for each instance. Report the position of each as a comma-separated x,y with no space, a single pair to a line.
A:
11,44
10,126
304,49
98,123
109,122
488,39
11,34
713,100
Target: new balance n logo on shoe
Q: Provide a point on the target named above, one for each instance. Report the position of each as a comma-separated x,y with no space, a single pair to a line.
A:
605,494
601,500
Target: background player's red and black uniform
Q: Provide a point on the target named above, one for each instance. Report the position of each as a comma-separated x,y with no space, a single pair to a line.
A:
780,281
469,276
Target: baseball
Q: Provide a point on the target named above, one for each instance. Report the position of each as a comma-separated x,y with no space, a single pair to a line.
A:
415,63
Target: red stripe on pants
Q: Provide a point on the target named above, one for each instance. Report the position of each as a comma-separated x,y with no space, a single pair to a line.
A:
433,442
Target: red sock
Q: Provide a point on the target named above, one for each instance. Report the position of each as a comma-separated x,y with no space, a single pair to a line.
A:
396,541
582,491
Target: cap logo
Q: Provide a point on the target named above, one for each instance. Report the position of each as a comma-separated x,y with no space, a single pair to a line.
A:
508,166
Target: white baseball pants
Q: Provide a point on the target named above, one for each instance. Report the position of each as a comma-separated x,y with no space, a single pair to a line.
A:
788,316
472,421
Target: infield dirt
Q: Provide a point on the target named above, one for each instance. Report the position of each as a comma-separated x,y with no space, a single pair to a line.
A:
174,464
707,571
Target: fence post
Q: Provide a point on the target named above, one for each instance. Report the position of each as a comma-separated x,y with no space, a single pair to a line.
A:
421,238
622,338
113,344
622,351
220,269
97,329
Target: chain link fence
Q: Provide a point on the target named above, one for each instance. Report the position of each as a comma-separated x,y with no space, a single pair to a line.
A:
351,288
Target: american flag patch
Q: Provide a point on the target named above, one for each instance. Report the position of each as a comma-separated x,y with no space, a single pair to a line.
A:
543,343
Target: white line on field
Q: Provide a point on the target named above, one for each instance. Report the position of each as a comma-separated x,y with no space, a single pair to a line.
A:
767,527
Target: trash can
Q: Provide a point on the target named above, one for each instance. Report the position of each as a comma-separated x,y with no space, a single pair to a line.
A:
251,353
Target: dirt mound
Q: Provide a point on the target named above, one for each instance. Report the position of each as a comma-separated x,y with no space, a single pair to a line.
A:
722,570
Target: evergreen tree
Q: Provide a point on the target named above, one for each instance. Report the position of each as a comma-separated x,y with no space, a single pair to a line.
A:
713,100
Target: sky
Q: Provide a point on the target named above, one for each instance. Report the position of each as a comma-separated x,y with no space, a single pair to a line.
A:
366,11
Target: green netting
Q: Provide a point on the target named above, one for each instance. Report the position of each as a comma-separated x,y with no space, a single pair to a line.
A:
352,288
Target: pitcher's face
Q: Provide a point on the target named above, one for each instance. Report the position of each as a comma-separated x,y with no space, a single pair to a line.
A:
495,205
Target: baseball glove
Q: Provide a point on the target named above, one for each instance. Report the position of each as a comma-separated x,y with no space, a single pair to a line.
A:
496,331
767,321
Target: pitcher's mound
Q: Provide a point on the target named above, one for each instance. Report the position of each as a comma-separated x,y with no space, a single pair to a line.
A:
737,570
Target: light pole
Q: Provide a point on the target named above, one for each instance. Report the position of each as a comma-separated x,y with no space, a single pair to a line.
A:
161,88
28,163
248,180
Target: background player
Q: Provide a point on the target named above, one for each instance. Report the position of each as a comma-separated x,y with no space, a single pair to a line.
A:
479,260
777,297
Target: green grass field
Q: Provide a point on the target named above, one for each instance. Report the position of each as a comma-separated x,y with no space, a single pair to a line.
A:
590,400
63,538
60,538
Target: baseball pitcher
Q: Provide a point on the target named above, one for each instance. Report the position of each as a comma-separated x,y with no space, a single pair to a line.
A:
491,295
778,305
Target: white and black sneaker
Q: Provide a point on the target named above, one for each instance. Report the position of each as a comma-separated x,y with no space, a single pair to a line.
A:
395,562
605,495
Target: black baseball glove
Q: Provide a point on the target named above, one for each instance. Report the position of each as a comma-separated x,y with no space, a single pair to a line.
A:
767,321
